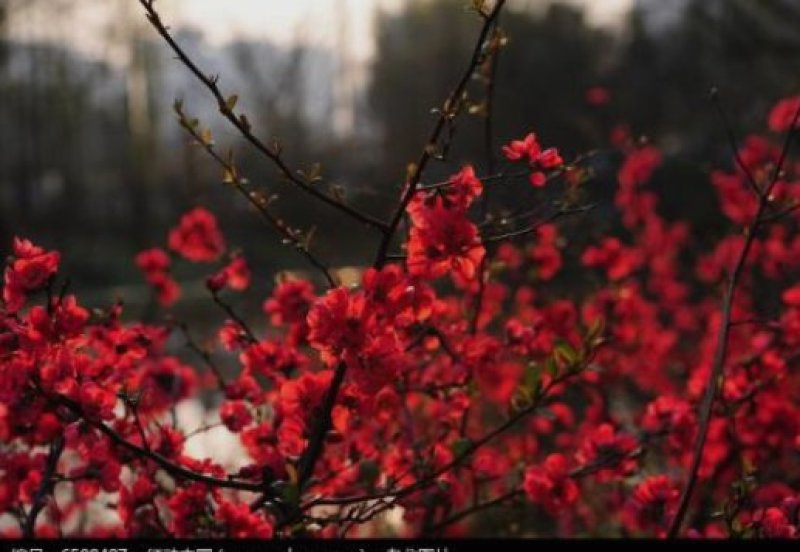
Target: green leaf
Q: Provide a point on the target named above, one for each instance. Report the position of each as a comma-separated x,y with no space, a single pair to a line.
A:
596,331
206,138
230,103
551,367
460,447
368,472
522,399
291,494
533,376
565,354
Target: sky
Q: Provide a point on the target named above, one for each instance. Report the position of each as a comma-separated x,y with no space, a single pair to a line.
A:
287,20
102,29
83,24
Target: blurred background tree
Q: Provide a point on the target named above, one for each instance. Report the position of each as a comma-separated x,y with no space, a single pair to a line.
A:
92,161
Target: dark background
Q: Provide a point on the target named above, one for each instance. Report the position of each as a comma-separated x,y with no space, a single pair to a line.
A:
92,162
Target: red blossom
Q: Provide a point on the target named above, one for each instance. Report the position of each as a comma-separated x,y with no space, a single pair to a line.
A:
610,454
462,366
783,114
775,525
235,415
240,523
618,260
551,485
235,275
597,95
197,237
651,505
539,160
29,271
518,150
638,166
155,263
545,253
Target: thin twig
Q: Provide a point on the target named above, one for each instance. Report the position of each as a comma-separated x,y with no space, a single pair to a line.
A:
492,176
203,354
466,453
235,317
448,111
563,212
45,487
164,463
243,126
733,142
458,516
717,372
254,199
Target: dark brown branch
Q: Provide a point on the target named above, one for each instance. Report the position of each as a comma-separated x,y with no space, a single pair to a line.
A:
733,142
203,354
235,317
232,175
316,444
466,453
458,516
717,369
45,487
171,468
780,214
448,111
175,470
243,126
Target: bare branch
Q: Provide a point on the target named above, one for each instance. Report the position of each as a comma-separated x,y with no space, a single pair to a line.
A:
226,107
233,178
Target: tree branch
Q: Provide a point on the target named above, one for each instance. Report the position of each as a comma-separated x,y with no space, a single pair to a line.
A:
45,487
175,470
232,175
448,111
717,370
243,126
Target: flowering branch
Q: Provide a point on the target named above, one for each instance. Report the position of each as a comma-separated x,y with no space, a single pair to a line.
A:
473,446
45,487
164,463
716,376
449,110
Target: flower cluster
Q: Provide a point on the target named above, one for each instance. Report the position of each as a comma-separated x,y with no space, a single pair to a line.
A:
571,381
442,239
539,160
197,237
